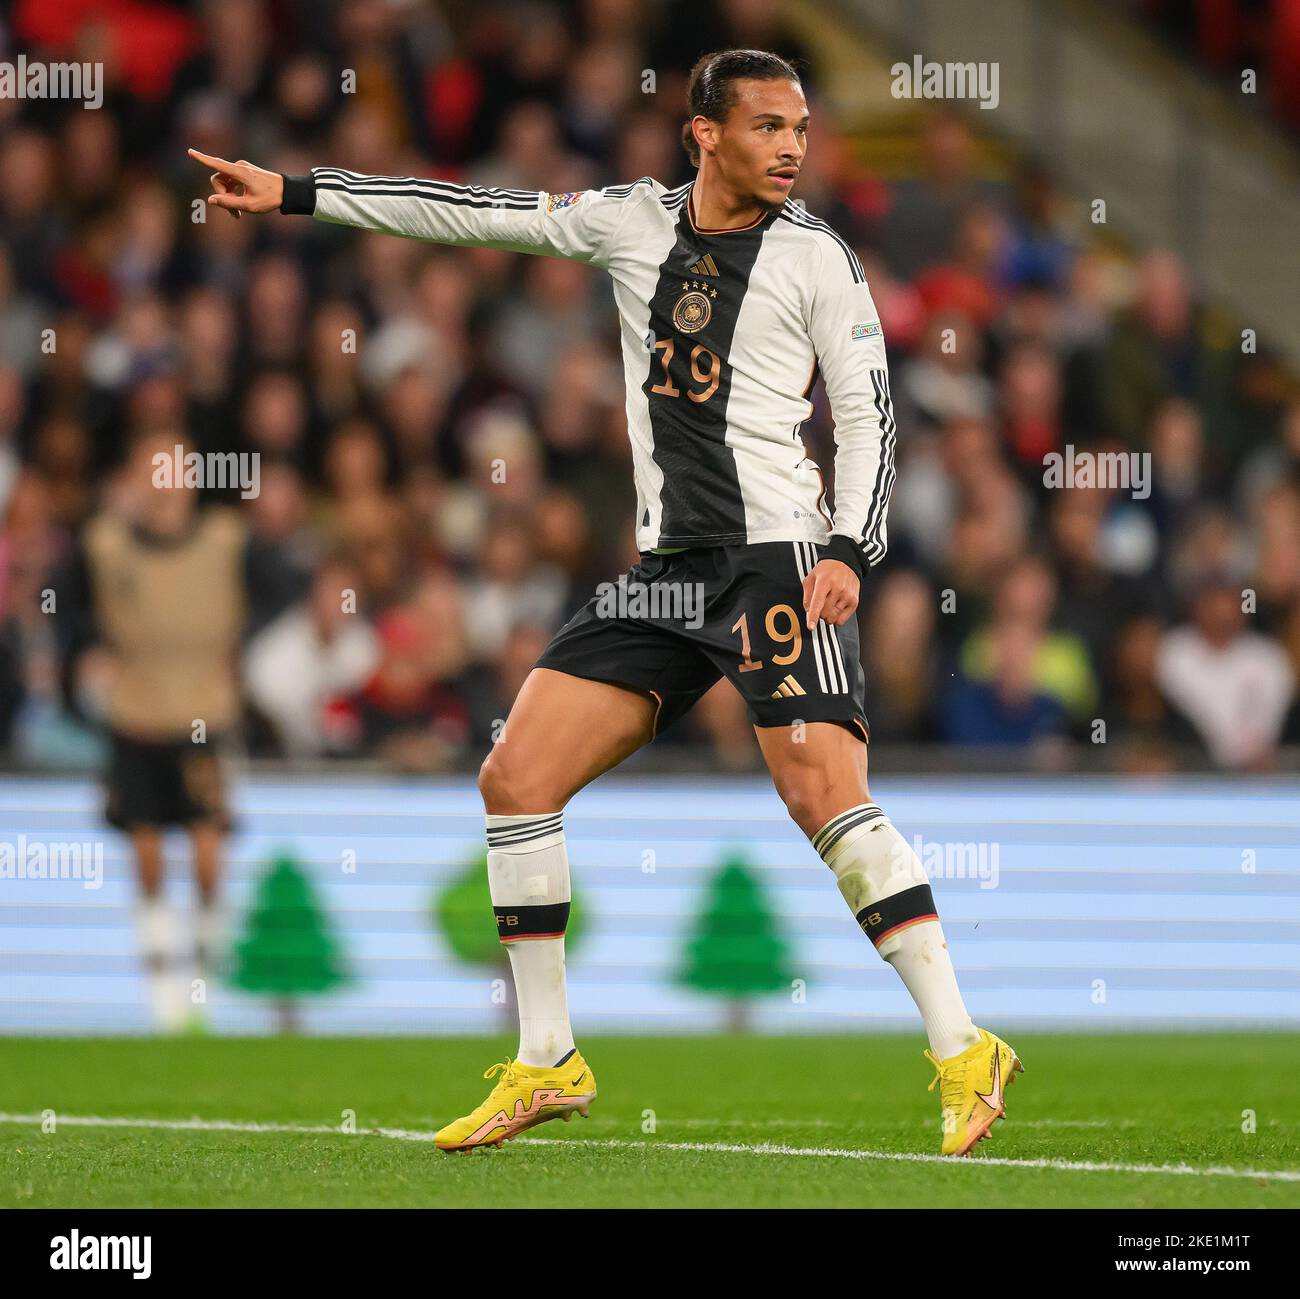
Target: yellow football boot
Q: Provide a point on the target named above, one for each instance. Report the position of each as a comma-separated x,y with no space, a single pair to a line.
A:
524,1096
971,1090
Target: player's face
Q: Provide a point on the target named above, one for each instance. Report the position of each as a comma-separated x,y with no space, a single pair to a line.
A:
762,143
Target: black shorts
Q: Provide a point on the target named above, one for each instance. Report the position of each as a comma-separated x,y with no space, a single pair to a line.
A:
674,624
158,783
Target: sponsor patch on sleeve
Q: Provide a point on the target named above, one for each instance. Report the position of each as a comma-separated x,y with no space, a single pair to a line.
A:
554,202
870,330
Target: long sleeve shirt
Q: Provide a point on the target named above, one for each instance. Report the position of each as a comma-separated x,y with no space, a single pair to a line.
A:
723,335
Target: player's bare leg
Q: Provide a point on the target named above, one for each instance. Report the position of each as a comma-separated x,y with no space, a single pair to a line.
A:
207,841
562,733
820,771
147,844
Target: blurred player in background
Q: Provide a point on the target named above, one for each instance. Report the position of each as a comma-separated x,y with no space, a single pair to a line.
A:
731,300
151,611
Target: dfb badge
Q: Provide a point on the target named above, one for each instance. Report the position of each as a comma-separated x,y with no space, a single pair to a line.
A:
692,312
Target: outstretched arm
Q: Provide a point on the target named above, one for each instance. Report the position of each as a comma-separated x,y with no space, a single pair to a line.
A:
579,226
239,187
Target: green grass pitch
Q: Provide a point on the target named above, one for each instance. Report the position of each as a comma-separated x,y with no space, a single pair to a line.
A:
677,1123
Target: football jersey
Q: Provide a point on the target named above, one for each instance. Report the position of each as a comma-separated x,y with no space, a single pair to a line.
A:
723,335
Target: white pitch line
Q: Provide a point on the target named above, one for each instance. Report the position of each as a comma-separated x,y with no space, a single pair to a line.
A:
212,1125
832,1123
894,1156
900,1122
764,1148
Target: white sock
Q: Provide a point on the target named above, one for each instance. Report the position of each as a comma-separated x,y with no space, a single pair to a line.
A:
886,888
923,963
167,999
207,935
157,932
528,875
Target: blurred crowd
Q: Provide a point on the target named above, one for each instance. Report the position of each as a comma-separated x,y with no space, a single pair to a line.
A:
1226,37
442,430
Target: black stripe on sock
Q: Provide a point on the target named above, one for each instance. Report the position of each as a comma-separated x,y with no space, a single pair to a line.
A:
835,821
545,920
860,817
522,830
890,914
501,844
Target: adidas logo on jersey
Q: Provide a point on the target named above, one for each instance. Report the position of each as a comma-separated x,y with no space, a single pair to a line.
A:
705,266
788,689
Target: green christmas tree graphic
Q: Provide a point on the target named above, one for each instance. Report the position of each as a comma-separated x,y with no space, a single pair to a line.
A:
287,950
736,950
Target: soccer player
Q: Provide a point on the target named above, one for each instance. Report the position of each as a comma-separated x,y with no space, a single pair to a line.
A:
731,298
158,586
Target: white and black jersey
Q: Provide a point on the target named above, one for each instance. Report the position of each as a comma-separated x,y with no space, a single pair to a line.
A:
723,335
